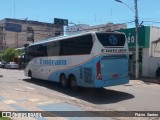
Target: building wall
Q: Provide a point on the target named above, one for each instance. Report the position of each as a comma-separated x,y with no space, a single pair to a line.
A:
15,39
154,63
154,47
154,56
80,28
76,29
150,64
151,59
145,62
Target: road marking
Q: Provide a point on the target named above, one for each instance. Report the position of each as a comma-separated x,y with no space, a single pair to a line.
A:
1,98
43,103
35,99
21,100
18,89
18,107
29,87
23,109
9,101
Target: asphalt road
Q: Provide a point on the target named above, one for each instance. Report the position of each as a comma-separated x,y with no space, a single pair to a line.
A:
37,95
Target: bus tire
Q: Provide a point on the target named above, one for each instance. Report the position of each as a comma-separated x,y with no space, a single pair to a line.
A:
30,74
73,83
158,72
63,81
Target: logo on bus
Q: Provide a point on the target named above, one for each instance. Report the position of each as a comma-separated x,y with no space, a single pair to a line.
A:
53,62
113,40
122,50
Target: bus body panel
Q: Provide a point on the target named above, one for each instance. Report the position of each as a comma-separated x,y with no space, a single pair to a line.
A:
114,67
101,83
83,72
86,73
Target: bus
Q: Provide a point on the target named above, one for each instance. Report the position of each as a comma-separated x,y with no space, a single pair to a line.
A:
91,59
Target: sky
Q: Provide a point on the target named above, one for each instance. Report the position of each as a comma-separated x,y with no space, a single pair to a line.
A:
91,12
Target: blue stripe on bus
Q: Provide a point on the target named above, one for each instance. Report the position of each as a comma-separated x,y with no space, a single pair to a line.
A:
89,79
81,81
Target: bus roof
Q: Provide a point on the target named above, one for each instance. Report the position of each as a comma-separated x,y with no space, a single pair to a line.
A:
70,36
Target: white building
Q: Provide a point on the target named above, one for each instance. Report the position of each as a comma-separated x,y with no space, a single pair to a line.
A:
79,28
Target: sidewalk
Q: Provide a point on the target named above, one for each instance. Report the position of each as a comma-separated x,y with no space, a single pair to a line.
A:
146,79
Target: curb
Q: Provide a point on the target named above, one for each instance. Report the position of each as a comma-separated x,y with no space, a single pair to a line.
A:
145,79
152,81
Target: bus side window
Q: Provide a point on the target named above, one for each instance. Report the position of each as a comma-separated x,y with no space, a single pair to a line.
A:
77,46
42,50
53,49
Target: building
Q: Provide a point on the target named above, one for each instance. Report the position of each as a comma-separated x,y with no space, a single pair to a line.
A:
14,33
75,29
149,49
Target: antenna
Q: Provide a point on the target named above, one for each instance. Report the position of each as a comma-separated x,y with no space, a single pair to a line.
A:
37,17
111,15
95,18
14,9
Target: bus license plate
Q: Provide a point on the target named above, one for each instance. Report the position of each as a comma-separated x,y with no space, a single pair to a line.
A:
115,75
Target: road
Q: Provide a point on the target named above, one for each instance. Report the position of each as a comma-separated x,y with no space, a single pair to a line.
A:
18,92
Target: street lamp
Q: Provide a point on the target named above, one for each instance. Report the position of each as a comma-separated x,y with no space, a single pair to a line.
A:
136,30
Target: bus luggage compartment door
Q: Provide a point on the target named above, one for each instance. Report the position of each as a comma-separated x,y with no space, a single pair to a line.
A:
114,67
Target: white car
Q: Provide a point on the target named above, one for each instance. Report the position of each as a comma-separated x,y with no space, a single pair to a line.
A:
11,65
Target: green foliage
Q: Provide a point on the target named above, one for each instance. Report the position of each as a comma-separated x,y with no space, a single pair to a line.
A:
9,54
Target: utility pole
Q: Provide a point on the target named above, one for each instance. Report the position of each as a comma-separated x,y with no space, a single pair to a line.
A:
14,8
2,37
136,31
137,47
16,40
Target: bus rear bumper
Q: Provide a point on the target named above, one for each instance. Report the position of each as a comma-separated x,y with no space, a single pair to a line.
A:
102,83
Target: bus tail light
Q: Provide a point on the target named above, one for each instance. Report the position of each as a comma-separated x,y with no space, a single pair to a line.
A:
98,66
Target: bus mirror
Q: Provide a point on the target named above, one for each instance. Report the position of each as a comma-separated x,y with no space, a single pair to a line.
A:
25,45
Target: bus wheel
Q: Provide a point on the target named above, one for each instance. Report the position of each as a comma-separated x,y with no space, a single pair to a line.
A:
30,74
158,74
63,81
73,83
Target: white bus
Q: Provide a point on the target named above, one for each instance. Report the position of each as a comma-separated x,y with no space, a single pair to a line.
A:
91,59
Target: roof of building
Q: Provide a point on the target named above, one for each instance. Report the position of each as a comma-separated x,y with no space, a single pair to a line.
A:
25,21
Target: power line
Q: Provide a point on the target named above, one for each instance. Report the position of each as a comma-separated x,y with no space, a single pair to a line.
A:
152,21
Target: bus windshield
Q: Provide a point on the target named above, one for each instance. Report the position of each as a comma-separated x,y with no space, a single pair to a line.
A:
111,39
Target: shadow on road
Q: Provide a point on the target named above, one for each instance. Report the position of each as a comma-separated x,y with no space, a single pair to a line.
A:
92,95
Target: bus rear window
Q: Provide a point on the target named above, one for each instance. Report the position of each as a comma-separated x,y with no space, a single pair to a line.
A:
111,39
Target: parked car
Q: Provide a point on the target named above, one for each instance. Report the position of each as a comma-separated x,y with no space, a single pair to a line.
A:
2,64
11,65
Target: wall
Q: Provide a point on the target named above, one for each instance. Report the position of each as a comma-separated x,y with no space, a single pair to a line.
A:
80,28
155,35
15,39
151,60
145,62
154,63
154,57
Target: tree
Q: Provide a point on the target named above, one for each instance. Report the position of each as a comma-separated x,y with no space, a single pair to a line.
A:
9,54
